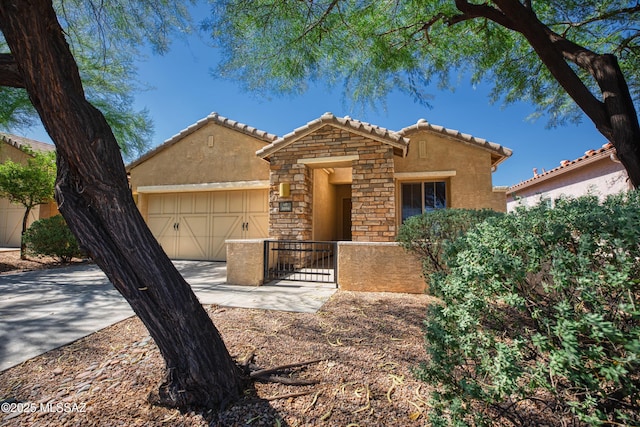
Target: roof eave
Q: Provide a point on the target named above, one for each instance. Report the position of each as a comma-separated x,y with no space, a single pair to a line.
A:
400,144
560,170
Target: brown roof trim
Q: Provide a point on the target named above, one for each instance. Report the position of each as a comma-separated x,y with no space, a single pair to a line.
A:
211,118
347,123
21,143
590,156
500,153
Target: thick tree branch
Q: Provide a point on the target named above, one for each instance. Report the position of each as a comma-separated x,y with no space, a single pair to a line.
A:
472,11
525,22
603,17
10,75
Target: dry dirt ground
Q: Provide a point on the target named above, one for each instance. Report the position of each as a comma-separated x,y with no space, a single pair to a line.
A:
368,344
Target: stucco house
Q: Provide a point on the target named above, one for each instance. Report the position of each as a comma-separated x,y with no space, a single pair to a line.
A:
598,172
14,148
220,182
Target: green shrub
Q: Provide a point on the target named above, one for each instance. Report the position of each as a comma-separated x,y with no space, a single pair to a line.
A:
52,237
540,321
426,234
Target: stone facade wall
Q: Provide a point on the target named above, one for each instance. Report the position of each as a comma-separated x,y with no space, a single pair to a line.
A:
373,188
297,224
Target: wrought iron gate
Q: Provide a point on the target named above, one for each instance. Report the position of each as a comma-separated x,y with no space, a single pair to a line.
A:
300,260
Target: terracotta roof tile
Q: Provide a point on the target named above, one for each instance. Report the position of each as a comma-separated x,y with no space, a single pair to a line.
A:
607,150
20,142
366,129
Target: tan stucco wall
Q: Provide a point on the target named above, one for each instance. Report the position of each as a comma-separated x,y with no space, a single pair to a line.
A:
378,267
245,262
9,152
324,207
499,200
471,186
193,160
362,266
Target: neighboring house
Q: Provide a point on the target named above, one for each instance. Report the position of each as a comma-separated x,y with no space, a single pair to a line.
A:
598,172
334,178
13,148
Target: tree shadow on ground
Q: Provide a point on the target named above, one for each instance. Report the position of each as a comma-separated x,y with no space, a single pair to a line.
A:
248,410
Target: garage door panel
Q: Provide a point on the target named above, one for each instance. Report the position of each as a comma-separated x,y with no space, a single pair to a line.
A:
236,201
162,227
193,203
227,226
193,238
206,220
219,202
257,201
258,226
161,204
224,227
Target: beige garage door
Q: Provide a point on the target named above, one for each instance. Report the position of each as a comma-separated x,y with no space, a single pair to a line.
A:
11,222
196,225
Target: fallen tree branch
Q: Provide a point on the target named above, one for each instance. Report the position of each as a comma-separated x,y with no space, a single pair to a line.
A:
286,380
288,395
268,371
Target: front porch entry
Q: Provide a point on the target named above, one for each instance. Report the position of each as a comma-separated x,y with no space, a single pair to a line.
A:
300,261
331,203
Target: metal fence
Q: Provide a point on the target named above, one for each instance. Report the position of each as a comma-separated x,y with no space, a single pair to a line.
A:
300,260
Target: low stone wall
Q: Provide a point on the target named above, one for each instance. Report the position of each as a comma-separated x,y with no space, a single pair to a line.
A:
362,266
245,262
378,267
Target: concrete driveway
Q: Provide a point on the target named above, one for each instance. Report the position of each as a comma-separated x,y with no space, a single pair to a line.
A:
42,310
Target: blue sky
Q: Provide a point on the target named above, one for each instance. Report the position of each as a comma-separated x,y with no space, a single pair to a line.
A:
184,91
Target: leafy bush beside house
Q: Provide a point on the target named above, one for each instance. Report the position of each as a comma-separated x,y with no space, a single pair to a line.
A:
540,321
52,237
426,235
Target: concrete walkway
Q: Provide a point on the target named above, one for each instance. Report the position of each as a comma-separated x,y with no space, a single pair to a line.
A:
44,309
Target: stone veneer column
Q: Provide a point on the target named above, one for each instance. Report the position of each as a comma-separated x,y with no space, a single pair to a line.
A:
373,214
294,225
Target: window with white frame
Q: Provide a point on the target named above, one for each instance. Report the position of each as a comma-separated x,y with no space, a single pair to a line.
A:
419,197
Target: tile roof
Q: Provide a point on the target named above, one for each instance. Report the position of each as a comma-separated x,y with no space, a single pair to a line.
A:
21,143
368,130
590,156
211,118
501,152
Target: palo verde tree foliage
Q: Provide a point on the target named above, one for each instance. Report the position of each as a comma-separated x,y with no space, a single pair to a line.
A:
105,39
93,194
29,184
567,57
540,318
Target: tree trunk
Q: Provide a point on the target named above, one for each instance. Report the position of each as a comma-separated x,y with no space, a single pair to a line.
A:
23,246
623,119
93,196
614,115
